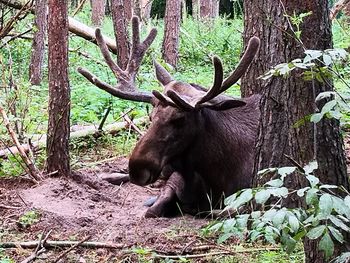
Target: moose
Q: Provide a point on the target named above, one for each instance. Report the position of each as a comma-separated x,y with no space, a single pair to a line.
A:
200,141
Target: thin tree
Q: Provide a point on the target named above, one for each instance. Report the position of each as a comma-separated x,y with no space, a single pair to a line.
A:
287,101
38,46
59,90
97,11
170,47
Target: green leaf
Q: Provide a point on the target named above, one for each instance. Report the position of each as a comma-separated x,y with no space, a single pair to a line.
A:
347,201
311,196
290,244
242,220
340,207
325,94
262,196
280,192
327,59
310,167
326,244
344,257
317,117
243,198
286,170
278,219
337,222
328,106
255,214
293,222
313,180
326,204
336,234
316,232
275,183
301,192
224,237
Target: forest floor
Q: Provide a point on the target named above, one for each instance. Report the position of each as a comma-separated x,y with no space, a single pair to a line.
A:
74,210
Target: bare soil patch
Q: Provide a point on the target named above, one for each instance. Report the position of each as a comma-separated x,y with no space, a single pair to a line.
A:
74,209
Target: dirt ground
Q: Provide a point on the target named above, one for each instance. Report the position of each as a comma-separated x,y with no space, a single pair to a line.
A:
76,209
88,207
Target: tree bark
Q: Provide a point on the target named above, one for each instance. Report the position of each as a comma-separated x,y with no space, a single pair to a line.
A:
195,9
170,48
215,8
120,31
205,9
97,11
286,101
137,8
59,90
38,46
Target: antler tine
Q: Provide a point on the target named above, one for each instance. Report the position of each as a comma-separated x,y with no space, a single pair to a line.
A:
218,78
138,49
125,89
139,96
106,55
243,64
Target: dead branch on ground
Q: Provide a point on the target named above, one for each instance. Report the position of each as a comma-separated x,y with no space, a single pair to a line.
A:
40,249
64,253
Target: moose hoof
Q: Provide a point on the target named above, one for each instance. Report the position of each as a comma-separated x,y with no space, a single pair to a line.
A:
154,212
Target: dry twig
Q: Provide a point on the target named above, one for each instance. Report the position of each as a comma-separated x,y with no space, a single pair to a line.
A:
64,253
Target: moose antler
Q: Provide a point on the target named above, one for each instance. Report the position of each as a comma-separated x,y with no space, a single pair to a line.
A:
219,85
125,88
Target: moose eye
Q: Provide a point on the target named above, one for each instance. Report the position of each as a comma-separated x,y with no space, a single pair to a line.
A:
178,122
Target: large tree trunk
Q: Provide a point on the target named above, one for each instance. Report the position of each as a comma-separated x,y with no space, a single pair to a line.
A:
120,31
97,11
38,46
59,91
285,101
170,48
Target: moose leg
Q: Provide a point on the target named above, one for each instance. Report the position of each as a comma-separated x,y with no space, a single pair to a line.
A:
165,205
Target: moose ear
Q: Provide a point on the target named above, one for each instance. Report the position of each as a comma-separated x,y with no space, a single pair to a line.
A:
225,104
162,74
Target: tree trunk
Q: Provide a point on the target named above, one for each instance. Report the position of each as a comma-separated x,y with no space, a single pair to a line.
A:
195,9
170,48
120,31
205,8
215,8
38,46
97,11
285,101
59,91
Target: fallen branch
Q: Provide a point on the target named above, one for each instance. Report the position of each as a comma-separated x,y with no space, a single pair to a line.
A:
133,125
74,26
55,244
40,141
64,253
30,166
39,249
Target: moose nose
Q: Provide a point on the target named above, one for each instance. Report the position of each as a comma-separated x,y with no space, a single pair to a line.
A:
141,177
142,172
